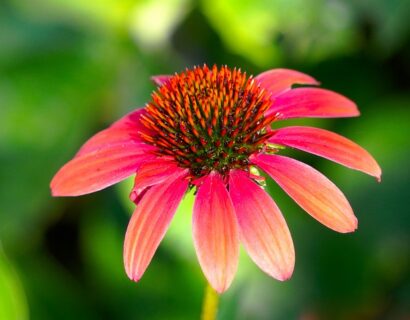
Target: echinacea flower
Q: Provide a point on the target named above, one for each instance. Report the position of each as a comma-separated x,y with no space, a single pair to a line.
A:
210,130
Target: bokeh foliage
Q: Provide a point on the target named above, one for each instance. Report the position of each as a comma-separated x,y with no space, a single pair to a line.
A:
70,68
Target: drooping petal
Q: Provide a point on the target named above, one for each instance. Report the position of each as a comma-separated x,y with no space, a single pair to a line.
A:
151,173
215,232
125,129
160,79
277,81
150,222
100,168
107,138
329,145
263,229
316,194
312,103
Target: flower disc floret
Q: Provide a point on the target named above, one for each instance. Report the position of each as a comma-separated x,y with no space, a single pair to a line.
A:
208,119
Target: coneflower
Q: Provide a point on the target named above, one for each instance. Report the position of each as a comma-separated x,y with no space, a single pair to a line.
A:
210,130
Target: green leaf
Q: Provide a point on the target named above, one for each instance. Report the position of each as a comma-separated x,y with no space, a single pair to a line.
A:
13,304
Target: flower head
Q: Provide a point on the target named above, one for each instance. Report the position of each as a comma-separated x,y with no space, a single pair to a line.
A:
208,120
208,129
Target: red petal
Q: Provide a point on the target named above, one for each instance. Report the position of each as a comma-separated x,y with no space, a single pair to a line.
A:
316,194
160,79
277,81
329,145
123,130
99,169
312,102
151,173
263,229
131,120
150,222
215,232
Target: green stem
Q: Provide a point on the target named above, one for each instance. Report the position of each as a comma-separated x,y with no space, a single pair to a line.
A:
209,304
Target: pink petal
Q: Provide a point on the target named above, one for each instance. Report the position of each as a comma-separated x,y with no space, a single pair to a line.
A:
329,145
150,222
99,169
123,130
160,79
313,103
131,120
151,173
215,232
263,229
277,81
316,194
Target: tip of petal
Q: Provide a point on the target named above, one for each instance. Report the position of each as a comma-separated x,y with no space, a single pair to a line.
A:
56,191
220,289
373,168
355,112
133,276
53,191
284,277
132,273
352,227
286,272
160,79
378,174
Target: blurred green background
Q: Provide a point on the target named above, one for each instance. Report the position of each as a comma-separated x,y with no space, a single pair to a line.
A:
70,68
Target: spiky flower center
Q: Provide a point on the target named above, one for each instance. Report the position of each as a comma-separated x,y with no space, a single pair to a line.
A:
208,119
